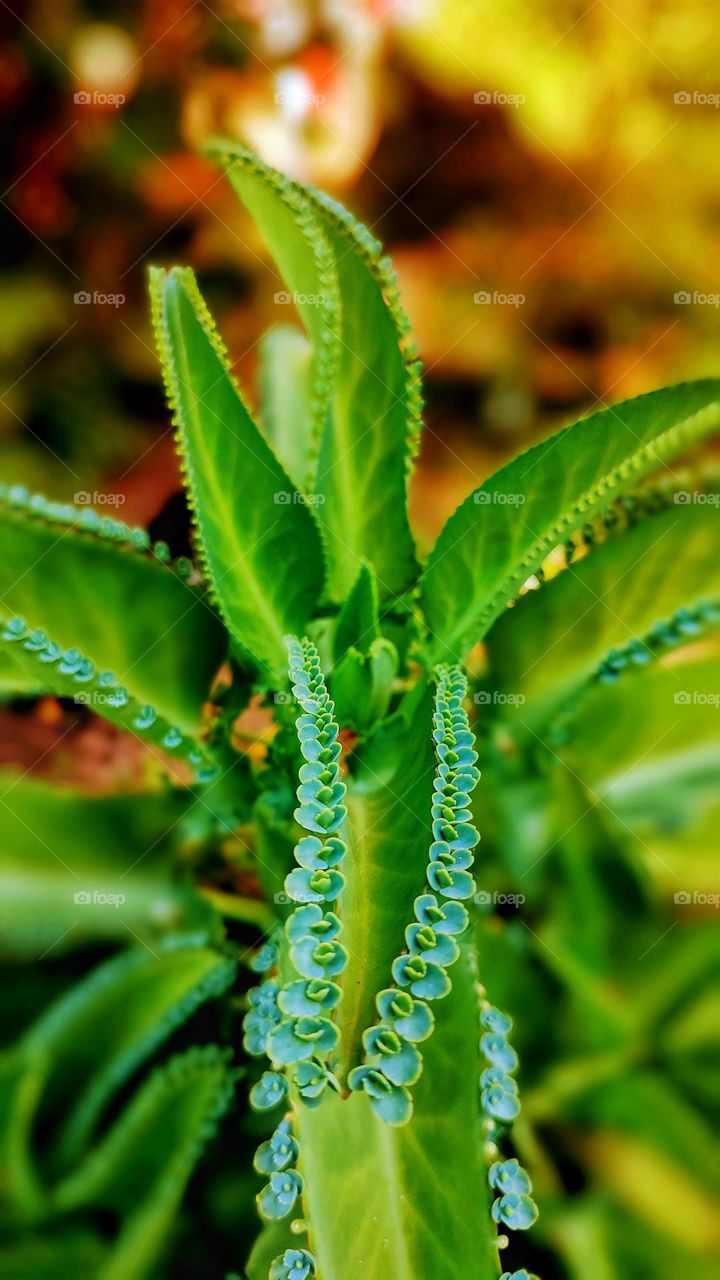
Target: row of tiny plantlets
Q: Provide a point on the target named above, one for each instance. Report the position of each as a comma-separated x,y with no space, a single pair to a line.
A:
87,520
685,624
392,1060
291,1023
513,1206
103,689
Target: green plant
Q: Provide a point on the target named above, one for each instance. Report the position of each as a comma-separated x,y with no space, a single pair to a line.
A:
390,1074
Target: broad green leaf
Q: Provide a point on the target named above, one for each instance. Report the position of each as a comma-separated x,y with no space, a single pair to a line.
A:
389,836
358,621
285,397
120,608
98,1034
371,429
502,533
259,540
409,1203
67,858
554,639
141,1168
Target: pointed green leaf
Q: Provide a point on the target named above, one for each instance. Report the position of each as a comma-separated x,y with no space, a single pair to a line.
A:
67,858
358,622
97,1035
260,543
296,242
141,1169
501,534
375,424
121,608
367,362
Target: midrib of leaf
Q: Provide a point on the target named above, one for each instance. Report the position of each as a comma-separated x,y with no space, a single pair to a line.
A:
259,601
389,1160
691,430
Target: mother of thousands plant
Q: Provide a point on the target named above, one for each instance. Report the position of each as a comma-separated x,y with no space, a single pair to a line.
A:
389,1078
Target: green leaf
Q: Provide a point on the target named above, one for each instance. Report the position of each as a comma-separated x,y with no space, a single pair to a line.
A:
502,533
21,1080
384,1210
260,542
285,396
376,415
52,1257
362,685
122,609
99,1033
295,240
37,652
388,835
554,639
57,844
369,380
141,1168
358,622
